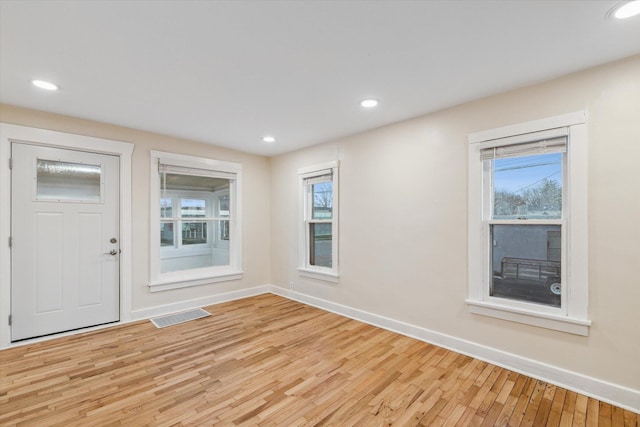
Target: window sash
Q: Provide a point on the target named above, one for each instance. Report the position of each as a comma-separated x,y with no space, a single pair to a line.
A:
538,143
523,304
488,196
309,201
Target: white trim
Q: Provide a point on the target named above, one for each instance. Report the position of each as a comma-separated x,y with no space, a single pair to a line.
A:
187,161
319,275
530,317
180,279
160,310
316,169
614,394
554,122
185,281
50,138
306,270
577,207
573,317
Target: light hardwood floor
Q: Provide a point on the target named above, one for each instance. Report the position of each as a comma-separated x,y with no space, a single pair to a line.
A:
270,361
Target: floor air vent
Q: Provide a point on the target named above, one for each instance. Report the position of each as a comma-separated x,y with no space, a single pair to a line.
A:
174,319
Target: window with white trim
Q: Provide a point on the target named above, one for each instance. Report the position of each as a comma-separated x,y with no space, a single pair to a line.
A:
195,232
319,221
527,223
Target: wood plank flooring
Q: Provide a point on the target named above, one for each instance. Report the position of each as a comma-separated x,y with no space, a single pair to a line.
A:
270,361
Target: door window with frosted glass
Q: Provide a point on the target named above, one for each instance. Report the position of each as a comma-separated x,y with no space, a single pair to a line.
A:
58,181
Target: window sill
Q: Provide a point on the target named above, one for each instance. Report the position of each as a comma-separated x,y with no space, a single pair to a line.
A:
319,275
188,280
528,317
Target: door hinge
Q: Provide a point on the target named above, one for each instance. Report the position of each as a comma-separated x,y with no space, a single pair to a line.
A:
10,163
10,320
10,241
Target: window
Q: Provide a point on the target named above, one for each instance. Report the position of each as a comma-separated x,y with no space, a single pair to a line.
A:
68,182
319,224
527,223
195,236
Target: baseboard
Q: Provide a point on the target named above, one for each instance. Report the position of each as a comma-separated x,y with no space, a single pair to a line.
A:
614,394
161,310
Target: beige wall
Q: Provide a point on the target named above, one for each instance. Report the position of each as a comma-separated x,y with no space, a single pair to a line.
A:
403,220
403,242
255,199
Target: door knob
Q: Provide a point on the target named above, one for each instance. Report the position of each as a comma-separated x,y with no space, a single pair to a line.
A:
112,252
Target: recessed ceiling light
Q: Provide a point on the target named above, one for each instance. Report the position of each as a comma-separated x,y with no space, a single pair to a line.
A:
626,9
369,103
268,139
42,84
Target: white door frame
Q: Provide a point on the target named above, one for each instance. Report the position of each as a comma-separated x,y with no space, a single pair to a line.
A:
10,133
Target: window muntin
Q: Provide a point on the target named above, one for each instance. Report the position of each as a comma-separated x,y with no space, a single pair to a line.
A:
319,249
197,219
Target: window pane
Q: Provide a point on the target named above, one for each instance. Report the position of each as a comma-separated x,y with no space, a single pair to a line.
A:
187,244
528,187
196,251
221,244
322,195
223,206
62,181
193,208
224,230
194,233
166,209
320,238
526,263
166,234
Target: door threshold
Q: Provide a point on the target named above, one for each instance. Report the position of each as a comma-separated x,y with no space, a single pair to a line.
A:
70,332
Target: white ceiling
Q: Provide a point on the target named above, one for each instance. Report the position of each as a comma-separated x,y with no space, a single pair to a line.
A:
229,72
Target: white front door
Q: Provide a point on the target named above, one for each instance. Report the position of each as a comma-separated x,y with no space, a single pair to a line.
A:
65,240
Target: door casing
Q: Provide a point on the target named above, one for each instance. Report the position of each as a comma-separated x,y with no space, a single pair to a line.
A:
15,133
65,240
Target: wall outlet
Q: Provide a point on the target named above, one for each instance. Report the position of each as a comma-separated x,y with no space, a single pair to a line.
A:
291,285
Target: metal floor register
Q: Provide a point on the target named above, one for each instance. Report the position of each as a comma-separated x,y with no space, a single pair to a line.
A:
185,316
